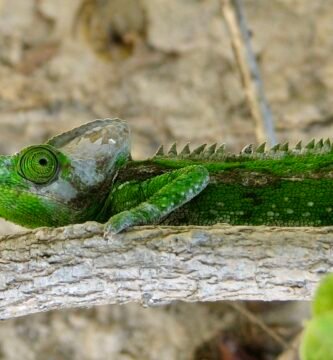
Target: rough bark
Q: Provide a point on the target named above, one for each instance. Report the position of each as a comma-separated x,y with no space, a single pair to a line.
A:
76,266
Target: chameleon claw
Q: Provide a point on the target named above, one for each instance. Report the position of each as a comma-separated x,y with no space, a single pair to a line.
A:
109,231
117,223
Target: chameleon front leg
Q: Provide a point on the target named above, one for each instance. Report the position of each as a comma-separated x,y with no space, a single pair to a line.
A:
161,195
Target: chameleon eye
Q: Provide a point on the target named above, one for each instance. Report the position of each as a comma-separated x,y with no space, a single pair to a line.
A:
38,164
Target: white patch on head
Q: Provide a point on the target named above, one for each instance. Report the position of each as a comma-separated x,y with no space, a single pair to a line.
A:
61,190
86,171
94,148
7,161
6,165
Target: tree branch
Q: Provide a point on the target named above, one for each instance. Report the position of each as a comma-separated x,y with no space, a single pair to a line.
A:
75,266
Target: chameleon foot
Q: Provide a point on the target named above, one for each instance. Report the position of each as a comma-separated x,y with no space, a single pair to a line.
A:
118,222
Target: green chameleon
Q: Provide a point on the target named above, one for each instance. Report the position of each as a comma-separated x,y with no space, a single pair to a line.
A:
88,174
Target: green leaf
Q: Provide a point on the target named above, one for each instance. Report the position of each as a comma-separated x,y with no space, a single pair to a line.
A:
317,341
323,301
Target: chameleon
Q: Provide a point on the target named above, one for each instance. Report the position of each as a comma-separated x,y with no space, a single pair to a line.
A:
88,174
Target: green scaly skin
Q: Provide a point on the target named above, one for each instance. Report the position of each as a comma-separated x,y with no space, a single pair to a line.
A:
87,174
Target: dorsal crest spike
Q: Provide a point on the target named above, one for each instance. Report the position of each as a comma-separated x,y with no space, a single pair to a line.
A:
219,153
327,142
261,148
327,145
173,150
284,147
210,150
186,150
298,146
220,150
247,149
199,149
311,144
276,147
319,144
160,151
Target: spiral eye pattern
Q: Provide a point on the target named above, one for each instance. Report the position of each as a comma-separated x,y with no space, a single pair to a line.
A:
38,164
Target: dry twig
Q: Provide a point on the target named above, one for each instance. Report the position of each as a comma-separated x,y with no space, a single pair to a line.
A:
249,70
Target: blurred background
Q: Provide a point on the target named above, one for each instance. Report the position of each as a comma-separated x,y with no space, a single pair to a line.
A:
166,66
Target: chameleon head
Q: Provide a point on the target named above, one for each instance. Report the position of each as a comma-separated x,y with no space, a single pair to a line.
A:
66,179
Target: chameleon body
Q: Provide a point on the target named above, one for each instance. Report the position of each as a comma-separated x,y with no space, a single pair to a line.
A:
88,174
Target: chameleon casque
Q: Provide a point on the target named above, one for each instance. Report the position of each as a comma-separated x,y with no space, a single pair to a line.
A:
87,174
